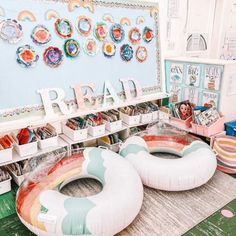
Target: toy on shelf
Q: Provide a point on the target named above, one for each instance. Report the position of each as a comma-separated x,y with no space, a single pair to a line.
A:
26,136
225,148
26,142
39,198
5,182
195,167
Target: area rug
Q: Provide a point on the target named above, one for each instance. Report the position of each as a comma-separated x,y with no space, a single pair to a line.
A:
170,213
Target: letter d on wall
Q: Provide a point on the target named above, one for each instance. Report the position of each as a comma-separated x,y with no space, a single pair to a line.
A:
48,102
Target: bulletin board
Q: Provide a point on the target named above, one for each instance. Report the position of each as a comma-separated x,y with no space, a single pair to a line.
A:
197,82
19,84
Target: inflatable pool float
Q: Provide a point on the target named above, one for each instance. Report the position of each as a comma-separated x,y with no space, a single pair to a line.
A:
194,167
47,212
225,148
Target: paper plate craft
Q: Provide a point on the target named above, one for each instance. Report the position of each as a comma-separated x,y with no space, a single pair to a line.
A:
125,21
71,48
51,14
148,35
26,56
26,16
126,52
134,36
117,33
108,18
63,28
100,31
11,31
141,54
41,35
53,56
84,26
109,49
140,20
90,47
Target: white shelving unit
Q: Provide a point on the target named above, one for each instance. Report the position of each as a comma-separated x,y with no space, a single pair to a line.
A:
39,120
16,157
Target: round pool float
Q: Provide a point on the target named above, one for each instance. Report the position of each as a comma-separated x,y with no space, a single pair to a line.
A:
225,148
47,212
194,167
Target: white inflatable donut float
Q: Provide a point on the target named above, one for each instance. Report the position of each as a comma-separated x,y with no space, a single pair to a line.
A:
47,212
195,167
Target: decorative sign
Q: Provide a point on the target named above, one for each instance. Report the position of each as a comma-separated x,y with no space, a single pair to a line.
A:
193,82
59,31
176,73
210,98
193,75
212,77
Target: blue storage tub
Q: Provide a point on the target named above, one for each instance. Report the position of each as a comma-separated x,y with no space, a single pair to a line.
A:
230,128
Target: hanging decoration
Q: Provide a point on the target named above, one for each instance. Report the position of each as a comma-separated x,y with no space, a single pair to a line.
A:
126,52
108,18
134,36
63,28
109,49
51,14
100,31
84,26
90,47
140,20
154,12
26,56
26,16
117,33
53,56
71,48
11,31
148,35
41,35
141,54
125,21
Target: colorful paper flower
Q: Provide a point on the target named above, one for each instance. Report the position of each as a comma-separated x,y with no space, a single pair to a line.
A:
53,56
134,36
84,26
90,47
148,35
11,31
63,28
100,31
109,49
117,33
126,52
26,56
141,54
40,35
71,48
